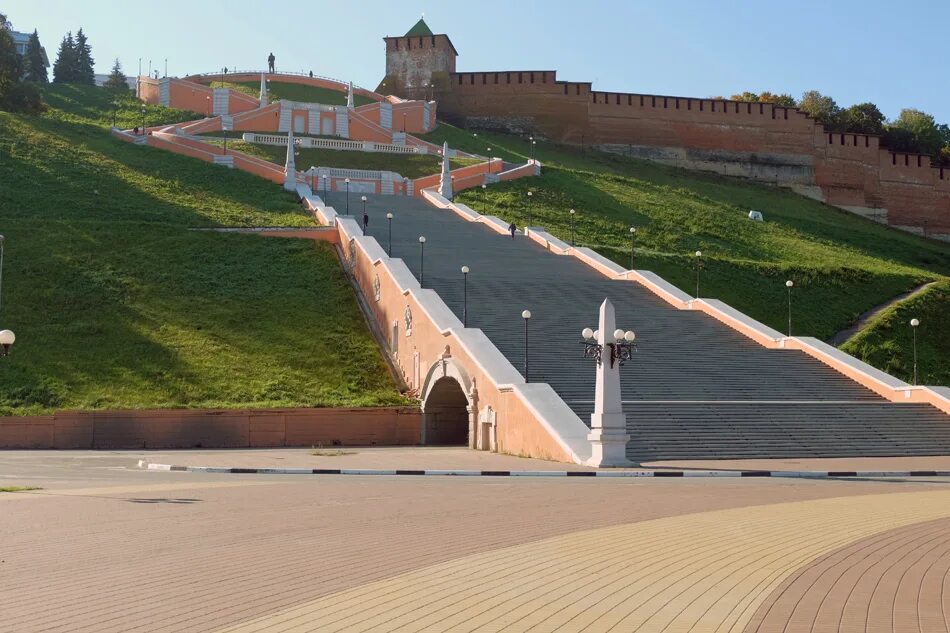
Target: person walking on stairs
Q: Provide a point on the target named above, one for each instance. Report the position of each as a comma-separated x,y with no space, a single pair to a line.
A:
511,229
270,63
365,221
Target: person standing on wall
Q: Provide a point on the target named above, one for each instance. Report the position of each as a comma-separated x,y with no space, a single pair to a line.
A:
270,63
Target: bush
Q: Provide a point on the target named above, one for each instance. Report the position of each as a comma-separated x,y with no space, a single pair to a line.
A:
26,97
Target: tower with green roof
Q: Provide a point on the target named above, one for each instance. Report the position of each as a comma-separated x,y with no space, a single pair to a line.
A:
418,63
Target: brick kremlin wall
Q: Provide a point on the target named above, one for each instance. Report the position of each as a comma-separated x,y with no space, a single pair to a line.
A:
774,144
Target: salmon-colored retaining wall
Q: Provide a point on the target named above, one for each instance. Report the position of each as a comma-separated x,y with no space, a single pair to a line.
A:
318,82
214,428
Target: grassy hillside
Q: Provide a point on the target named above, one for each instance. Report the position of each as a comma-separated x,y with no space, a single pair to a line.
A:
407,165
277,90
887,341
118,302
842,265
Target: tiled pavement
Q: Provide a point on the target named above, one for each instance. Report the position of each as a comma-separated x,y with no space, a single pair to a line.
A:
125,550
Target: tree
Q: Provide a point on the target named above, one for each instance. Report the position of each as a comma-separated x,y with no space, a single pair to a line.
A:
117,78
916,131
862,118
779,100
9,63
64,68
85,71
34,66
821,108
745,96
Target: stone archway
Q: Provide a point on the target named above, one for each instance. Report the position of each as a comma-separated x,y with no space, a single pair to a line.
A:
448,405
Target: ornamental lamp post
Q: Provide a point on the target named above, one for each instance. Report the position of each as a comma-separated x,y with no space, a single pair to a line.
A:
347,181
389,218
422,256
699,265
526,315
465,271
208,106
913,326
572,226
484,193
325,200
633,233
529,207
533,147
789,284
489,160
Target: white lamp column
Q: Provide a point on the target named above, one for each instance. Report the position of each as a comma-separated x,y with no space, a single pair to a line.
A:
290,168
445,180
263,94
608,432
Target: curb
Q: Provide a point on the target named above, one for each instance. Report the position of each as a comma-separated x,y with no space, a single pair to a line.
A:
659,474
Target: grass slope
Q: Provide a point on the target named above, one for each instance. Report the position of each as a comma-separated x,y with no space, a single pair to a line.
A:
277,90
118,304
407,165
842,265
887,341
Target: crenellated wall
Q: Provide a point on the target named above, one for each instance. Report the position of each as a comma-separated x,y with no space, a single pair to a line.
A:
764,142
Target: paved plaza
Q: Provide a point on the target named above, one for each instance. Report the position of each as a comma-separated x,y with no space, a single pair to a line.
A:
105,546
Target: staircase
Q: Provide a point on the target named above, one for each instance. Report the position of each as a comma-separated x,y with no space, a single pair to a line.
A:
386,115
694,389
219,104
342,123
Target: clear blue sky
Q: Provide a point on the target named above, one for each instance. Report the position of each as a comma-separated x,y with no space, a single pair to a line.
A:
891,53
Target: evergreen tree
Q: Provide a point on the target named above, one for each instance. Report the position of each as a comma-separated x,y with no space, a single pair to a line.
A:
9,62
64,69
85,73
33,65
117,78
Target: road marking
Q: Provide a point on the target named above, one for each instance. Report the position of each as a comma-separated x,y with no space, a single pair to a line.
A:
702,572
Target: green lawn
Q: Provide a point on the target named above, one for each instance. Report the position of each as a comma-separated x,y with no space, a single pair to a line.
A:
407,165
277,90
118,303
887,341
842,265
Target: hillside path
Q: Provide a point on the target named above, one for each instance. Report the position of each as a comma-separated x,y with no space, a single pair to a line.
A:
863,320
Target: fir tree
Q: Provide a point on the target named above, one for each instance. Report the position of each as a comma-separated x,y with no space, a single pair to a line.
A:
34,67
9,62
64,69
85,73
117,78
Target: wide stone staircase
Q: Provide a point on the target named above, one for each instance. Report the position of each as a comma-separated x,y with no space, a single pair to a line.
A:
694,389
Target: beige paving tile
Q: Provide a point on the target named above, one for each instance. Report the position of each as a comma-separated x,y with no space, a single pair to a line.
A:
729,562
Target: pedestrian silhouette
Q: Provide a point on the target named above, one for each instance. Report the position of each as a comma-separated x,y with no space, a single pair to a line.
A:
365,221
311,74
270,63
511,229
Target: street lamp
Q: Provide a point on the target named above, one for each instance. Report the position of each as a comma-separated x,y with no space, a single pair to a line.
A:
789,284
465,270
489,160
389,218
533,144
143,120
422,256
620,351
529,208
633,233
913,326
485,193
347,181
7,337
572,226
208,106
526,315
699,266
2,240
325,200
403,121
